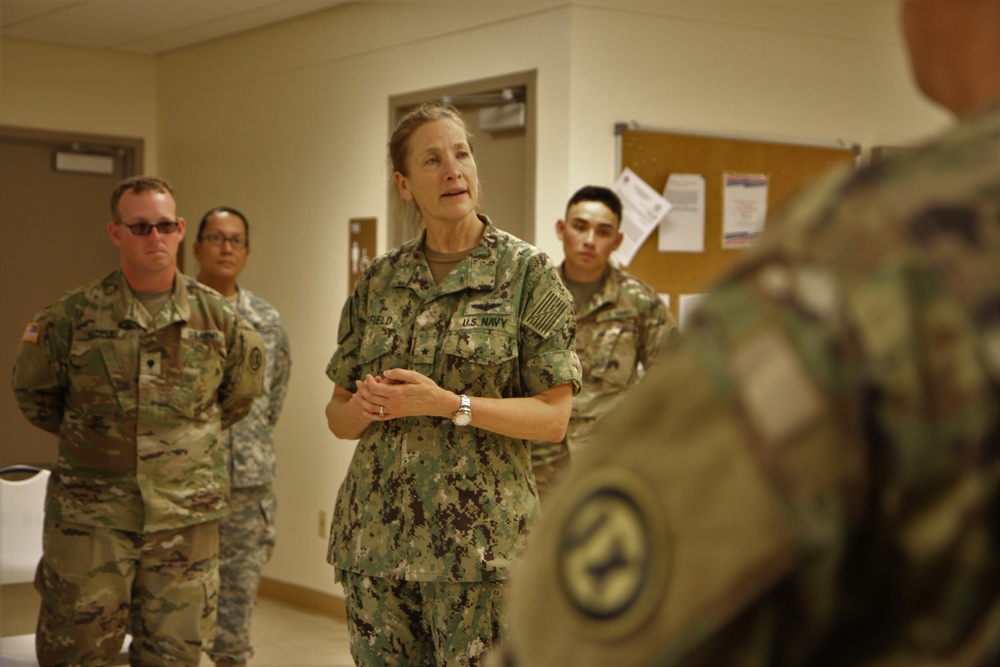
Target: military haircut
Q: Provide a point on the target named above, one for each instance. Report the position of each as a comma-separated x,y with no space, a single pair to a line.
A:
137,185
600,194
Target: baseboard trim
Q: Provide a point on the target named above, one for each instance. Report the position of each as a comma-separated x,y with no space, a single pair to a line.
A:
300,596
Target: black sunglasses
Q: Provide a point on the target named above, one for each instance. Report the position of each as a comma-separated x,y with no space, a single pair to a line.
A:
144,228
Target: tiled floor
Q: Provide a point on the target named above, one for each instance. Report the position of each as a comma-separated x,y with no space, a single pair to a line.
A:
283,636
289,636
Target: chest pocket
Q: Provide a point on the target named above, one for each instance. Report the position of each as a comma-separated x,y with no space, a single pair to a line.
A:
481,362
101,377
192,380
615,355
378,351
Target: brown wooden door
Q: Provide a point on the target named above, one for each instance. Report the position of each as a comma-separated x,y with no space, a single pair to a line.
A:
52,239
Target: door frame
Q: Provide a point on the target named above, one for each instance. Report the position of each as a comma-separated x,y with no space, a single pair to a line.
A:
526,80
130,149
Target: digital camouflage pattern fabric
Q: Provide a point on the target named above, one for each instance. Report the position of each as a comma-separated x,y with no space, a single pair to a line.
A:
246,542
618,335
247,535
463,616
250,441
813,477
425,499
138,402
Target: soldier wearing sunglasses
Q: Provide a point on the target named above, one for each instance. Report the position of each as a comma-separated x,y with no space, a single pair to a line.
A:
137,373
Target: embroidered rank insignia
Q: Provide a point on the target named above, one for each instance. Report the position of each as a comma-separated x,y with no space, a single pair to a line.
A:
151,363
31,333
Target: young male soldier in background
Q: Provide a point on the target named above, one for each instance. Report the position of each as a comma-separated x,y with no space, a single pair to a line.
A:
813,476
621,323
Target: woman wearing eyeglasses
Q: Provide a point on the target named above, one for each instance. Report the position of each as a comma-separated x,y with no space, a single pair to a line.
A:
247,536
137,373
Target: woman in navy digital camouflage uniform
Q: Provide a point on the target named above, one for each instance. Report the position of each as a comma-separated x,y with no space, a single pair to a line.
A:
455,349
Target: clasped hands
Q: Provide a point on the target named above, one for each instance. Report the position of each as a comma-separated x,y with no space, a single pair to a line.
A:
399,392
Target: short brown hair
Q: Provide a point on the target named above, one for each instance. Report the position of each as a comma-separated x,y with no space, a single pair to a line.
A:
137,185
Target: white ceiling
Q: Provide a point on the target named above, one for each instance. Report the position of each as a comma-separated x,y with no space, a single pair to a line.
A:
156,26
144,26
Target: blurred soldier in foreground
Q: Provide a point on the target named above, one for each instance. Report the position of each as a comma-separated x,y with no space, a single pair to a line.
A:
812,477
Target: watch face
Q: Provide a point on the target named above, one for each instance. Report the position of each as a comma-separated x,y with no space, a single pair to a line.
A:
462,419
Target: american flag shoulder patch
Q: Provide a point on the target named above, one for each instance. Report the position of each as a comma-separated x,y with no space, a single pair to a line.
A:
547,312
30,334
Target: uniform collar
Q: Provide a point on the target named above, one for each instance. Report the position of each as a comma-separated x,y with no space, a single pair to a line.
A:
478,271
129,309
607,294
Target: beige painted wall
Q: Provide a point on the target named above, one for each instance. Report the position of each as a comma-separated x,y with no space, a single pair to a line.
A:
43,86
289,124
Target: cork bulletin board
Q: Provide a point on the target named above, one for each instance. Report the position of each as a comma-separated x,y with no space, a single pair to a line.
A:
655,154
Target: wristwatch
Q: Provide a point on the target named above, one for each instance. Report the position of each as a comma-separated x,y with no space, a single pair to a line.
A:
464,414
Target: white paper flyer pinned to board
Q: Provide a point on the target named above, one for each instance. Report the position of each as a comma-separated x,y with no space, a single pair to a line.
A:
683,229
643,209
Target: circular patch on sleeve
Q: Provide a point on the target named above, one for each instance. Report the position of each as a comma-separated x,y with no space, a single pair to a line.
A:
256,359
613,557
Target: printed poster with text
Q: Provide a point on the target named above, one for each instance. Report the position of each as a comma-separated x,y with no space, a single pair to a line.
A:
744,208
